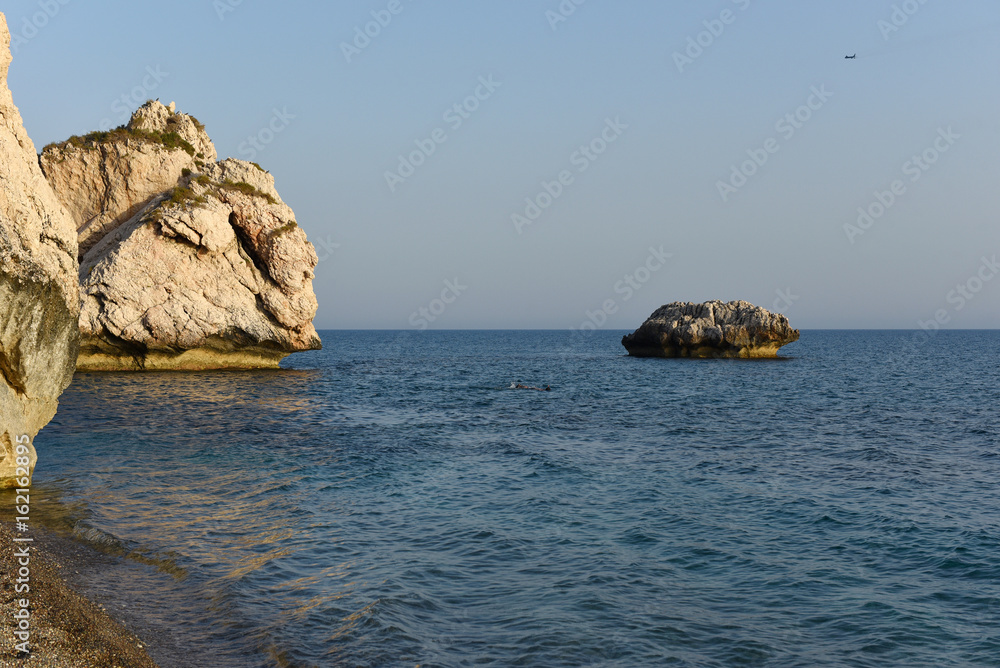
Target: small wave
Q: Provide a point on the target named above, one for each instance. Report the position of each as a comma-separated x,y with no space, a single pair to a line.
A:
108,543
102,540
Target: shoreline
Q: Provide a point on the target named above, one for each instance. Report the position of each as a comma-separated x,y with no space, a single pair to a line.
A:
69,629
131,598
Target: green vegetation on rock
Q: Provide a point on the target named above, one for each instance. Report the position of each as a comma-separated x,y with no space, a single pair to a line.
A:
91,141
246,189
185,197
283,229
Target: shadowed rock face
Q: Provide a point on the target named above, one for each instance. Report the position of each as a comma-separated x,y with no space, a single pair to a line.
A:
714,329
185,263
39,302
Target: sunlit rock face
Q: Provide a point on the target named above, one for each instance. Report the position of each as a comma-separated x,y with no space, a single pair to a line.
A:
185,263
104,178
735,329
39,298
215,274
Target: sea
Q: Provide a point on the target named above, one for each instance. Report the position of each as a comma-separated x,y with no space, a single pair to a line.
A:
391,500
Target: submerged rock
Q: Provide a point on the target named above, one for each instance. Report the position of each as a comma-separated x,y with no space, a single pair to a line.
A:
711,329
39,301
186,263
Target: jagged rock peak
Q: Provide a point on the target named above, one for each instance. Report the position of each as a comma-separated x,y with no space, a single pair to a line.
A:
155,118
711,329
104,178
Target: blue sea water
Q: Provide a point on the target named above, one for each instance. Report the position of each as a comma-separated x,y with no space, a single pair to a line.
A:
388,501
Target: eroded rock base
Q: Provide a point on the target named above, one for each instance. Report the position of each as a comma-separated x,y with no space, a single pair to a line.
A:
195,359
704,352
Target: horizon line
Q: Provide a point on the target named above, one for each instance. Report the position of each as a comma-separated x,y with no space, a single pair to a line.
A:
589,331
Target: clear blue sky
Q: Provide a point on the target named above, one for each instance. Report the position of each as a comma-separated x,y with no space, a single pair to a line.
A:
656,185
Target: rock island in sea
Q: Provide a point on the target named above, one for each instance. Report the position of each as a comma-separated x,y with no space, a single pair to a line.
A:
186,263
736,329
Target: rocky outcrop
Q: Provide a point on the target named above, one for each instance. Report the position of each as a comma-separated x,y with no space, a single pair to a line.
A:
39,301
713,329
214,274
186,263
104,178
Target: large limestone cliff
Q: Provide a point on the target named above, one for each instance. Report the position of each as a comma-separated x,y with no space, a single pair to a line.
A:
735,329
186,263
39,302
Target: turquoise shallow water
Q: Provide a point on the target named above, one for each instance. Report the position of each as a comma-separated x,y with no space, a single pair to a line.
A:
389,502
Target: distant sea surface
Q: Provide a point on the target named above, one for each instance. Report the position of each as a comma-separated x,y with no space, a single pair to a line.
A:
389,501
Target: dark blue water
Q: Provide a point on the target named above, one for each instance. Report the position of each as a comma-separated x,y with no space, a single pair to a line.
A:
388,502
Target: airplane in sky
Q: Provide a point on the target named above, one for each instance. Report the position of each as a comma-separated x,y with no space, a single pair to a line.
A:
851,57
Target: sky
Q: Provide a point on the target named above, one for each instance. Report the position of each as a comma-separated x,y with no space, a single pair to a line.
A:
604,158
